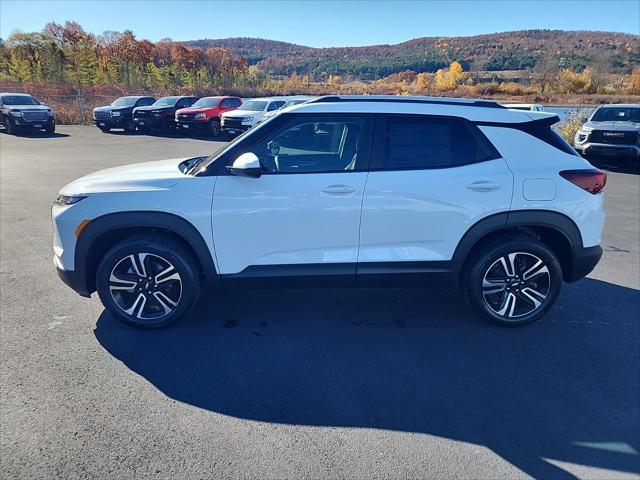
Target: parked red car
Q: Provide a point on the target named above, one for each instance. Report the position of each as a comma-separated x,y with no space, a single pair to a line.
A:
204,115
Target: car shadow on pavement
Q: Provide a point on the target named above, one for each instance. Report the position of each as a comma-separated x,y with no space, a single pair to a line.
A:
28,134
631,166
564,388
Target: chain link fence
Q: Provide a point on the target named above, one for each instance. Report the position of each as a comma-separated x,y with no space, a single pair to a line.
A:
74,109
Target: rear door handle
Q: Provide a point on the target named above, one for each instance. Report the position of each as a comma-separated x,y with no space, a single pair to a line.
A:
338,189
483,186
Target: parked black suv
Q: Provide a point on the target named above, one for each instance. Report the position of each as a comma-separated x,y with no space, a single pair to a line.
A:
120,113
19,111
161,115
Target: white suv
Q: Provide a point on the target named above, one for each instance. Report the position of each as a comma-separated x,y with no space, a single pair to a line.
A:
351,190
249,114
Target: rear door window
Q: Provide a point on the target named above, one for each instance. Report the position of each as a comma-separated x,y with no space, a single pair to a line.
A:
422,142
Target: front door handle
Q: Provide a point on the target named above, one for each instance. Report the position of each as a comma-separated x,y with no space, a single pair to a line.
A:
483,186
338,189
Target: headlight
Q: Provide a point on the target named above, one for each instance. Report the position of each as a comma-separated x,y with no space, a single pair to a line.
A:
247,119
49,112
115,114
16,113
201,116
66,200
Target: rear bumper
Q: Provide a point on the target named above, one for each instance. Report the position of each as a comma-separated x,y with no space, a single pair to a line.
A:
75,280
583,261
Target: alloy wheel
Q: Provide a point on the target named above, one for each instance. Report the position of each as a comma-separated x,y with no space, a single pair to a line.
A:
516,285
145,286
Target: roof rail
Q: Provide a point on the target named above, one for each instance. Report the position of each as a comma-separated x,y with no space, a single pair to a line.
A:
464,102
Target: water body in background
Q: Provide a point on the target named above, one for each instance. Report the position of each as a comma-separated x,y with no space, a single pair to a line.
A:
562,112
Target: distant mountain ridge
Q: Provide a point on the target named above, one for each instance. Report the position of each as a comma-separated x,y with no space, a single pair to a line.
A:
518,50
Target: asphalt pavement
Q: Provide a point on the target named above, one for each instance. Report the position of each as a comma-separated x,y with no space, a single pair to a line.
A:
318,383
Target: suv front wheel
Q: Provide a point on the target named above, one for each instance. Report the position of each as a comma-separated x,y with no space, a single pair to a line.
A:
148,281
513,281
214,128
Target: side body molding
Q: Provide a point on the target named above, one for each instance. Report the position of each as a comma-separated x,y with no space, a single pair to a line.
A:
140,219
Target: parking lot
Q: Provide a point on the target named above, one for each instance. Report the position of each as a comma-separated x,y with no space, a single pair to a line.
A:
353,383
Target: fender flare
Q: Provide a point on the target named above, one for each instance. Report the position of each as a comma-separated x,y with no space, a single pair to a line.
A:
517,218
141,219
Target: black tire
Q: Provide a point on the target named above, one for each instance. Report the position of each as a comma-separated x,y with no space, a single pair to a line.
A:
129,125
214,128
11,129
105,129
169,126
509,296
159,306
50,128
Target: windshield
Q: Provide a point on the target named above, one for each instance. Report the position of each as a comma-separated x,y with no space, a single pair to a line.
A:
166,101
19,100
254,105
206,102
124,102
617,114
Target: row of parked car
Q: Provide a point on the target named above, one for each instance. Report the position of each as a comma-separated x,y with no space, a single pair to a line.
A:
187,114
610,130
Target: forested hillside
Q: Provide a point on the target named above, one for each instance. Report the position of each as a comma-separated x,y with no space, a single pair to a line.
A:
615,52
74,70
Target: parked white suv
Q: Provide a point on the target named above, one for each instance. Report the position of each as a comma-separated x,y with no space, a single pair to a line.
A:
353,190
250,113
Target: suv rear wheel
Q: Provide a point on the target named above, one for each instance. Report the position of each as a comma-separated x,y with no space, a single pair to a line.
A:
513,281
148,281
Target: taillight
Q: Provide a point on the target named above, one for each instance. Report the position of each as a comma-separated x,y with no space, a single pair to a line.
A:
591,180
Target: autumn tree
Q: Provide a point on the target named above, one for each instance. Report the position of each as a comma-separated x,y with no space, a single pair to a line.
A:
632,85
422,83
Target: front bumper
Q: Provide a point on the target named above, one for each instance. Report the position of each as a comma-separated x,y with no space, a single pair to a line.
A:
235,129
583,261
24,125
198,125
608,150
234,125
148,122
114,122
75,280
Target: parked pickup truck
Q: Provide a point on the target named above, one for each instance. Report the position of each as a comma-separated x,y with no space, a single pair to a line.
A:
120,113
611,131
204,115
19,111
160,115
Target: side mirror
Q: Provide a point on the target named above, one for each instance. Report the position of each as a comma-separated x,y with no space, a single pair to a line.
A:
246,165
